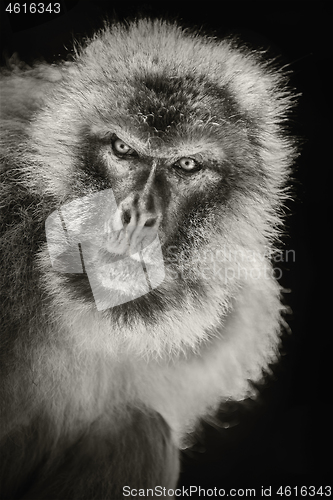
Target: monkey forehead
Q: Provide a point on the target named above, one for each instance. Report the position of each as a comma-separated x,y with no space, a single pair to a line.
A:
161,102
160,110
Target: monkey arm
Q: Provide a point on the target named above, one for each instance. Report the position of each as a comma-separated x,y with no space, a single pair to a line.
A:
100,464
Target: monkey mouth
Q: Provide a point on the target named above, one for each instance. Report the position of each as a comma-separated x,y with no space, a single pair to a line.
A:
120,245
124,268
107,280
125,243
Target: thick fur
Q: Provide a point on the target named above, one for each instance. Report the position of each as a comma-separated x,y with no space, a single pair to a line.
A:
94,401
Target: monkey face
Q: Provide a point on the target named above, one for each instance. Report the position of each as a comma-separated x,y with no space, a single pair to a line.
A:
181,144
173,191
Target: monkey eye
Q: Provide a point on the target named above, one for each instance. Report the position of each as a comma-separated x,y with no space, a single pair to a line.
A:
187,165
121,148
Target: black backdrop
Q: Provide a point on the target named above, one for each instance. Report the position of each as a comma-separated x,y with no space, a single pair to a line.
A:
284,439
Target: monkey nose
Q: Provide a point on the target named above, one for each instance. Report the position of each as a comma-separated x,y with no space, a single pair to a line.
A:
132,216
140,212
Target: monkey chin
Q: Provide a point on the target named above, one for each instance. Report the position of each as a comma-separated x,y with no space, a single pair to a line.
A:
189,309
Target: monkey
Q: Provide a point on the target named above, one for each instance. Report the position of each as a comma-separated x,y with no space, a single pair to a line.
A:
143,184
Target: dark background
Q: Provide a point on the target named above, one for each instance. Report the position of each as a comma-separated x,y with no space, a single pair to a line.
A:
284,438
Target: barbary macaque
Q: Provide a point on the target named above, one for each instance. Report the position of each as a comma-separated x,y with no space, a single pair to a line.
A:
142,192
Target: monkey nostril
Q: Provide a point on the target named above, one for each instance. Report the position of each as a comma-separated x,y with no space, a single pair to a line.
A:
150,222
126,217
